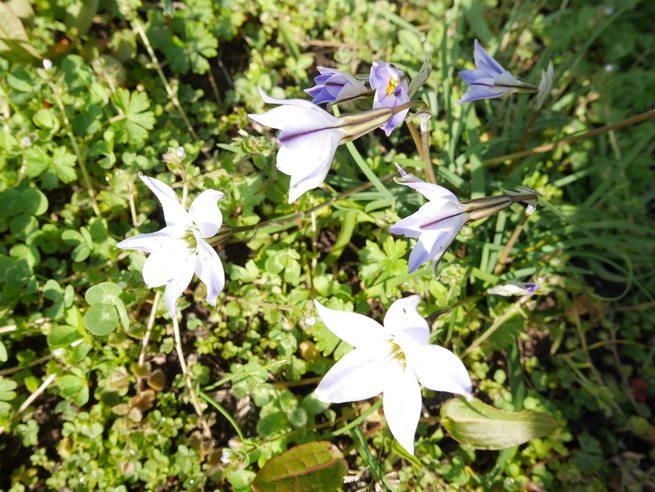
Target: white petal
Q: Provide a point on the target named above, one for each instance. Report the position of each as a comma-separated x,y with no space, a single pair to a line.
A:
174,213
205,213
409,226
162,267
437,368
176,286
355,329
306,184
166,240
402,317
433,244
278,117
291,102
210,270
310,130
355,377
428,190
402,408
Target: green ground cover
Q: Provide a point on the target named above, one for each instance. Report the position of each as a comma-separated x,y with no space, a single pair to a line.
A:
93,392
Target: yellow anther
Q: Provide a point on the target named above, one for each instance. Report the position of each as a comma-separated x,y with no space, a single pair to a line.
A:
392,86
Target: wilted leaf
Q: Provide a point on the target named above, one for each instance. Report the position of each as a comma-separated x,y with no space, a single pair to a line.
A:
484,427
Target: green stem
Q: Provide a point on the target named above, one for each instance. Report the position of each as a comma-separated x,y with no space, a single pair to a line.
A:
497,324
300,215
521,144
500,266
548,147
169,90
187,377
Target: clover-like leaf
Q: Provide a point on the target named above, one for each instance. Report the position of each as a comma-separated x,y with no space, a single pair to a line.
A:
134,127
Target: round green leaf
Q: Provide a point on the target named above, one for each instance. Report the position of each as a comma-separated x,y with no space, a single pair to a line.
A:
69,385
24,252
10,203
63,336
46,119
33,201
23,225
101,319
80,351
103,293
315,466
484,427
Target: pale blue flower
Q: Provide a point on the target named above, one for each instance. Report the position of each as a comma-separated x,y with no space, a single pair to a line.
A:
180,249
335,86
391,359
391,89
490,79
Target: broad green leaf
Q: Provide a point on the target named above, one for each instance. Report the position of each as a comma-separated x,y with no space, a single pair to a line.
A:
14,43
63,336
484,427
52,290
101,319
79,15
316,466
20,81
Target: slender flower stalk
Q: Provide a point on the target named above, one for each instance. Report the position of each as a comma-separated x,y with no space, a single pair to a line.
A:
391,359
180,249
437,223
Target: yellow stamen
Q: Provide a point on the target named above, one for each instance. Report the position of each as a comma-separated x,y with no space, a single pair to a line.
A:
392,86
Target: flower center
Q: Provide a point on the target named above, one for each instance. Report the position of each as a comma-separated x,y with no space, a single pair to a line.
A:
190,239
395,353
392,86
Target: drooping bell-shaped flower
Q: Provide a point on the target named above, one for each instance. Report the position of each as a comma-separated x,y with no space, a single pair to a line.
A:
309,137
335,86
391,359
391,89
437,223
179,249
489,79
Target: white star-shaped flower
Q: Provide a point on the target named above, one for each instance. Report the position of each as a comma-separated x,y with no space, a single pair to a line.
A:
392,360
180,249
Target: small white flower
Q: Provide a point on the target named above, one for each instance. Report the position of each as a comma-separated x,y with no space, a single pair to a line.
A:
26,141
47,64
437,223
180,152
309,137
392,360
180,249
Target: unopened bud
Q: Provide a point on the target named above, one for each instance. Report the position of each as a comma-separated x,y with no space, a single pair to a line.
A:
545,85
